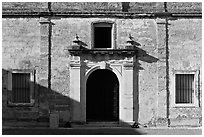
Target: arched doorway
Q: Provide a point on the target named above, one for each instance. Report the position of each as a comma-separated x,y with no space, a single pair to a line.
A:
102,96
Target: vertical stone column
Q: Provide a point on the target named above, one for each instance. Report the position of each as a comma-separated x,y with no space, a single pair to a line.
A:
162,111
75,83
44,72
44,32
127,93
43,69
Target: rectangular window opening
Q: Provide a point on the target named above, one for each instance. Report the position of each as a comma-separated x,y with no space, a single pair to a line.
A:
21,87
102,37
184,88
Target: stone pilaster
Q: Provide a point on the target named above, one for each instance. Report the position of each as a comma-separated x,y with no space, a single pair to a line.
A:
45,65
127,93
162,110
44,32
76,89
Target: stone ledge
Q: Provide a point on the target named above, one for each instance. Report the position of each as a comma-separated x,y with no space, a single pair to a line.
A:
103,51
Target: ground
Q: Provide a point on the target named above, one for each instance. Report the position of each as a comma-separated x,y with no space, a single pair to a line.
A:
102,131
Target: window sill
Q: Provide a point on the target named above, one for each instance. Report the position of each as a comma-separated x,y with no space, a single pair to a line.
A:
11,104
185,106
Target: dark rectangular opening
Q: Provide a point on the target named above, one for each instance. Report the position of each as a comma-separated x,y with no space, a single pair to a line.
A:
21,87
102,37
184,88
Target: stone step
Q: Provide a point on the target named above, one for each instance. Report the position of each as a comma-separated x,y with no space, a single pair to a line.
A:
98,124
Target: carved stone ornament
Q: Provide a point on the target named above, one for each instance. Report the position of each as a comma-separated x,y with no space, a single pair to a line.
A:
103,65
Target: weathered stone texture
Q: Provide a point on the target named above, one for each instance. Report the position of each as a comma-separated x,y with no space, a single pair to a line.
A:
65,30
20,50
20,47
146,7
184,7
185,42
185,36
141,30
24,6
162,67
136,7
86,6
25,45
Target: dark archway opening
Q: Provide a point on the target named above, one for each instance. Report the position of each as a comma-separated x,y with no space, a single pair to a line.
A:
102,96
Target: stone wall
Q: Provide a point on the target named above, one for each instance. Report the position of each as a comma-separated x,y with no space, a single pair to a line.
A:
17,7
63,33
20,50
114,7
185,43
25,43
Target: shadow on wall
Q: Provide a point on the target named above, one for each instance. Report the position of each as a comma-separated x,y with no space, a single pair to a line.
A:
141,55
46,102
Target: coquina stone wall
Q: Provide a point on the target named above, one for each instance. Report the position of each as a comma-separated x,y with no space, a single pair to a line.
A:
29,29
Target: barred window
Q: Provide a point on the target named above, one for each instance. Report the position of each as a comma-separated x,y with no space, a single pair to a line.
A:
184,88
21,87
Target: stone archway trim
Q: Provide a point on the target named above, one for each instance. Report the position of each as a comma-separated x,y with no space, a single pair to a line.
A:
119,76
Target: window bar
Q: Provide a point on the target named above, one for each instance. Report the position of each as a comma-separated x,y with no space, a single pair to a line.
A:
188,89
177,89
23,98
20,89
16,89
180,91
191,88
12,93
12,99
24,89
20,100
28,89
184,88
13,89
